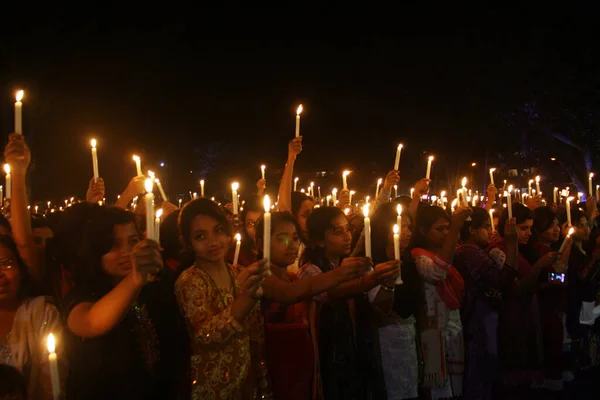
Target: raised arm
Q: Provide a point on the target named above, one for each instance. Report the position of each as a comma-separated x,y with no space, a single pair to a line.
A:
451,240
18,156
95,192
492,191
134,188
421,188
285,187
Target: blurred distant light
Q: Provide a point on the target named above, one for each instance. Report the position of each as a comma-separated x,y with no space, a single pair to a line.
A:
162,164
553,158
190,172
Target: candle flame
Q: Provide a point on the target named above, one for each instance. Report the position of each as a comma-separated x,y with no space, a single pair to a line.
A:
492,210
296,179
93,143
312,184
347,211
443,194
464,181
346,173
136,158
510,188
148,185
267,203
19,95
537,179
454,203
202,181
7,168
263,167
430,158
238,237
399,209
400,146
530,181
591,175
396,229
299,110
571,231
571,198
379,181
334,191
365,210
368,198
492,169
51,344
159,213
235,186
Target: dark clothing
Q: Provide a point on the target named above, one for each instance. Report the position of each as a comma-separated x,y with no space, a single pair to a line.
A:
143,357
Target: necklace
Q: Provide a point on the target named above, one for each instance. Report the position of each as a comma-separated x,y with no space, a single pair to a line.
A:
217,289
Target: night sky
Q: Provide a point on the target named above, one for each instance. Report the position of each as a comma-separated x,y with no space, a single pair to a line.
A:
215,91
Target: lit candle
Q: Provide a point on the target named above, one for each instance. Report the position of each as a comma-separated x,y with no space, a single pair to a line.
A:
53,363
296,184
454,204
345,179
138,165
428,174
328,198
159,214
464,192
19,113
312,189
474,203
202,188
334,196
504,186
367,231
529,187
412,191
597,192
537,185
379,181
568,207
399,217
492,219
492,175
262,170
319,189
35,208
298,112
352,192
234,197
179,203
397,162
579,196
564,243
555,194
149,199
7,182
1,195
395,191
590,184
509,201
267,232
397,250
163,195
238,246
95,160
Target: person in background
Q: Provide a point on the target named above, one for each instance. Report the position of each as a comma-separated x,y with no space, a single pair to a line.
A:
12,384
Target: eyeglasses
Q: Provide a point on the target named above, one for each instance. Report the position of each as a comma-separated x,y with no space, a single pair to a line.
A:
6,265
442,228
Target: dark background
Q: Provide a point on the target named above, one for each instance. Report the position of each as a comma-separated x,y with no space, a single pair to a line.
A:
214,91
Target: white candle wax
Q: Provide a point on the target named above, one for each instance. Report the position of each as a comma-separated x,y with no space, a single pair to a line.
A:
492,219
19,113
163,195
397,250
1,195
597,192
179,203
159,213
379,181
138,165
509,201
554,193
267,231
238,246
298,111
412,192
202,188
395,191
367,231
8,181
492,175
149,201
53,364
537,185
429,161
529,187
95,160
334,197
590,184
234,197
296,184
345,179
568,207
397,162
350,198
564,243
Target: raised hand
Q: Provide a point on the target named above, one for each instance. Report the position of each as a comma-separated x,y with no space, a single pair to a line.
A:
352,268
146,261
95,191
534,202
492,192
422,187
510,230
294,147
392,178
252,277
387,272
17,154
261,185
460,215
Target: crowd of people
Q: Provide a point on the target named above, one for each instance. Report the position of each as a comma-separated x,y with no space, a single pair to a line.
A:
478,305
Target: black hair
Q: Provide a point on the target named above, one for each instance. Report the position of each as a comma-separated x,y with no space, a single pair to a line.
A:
426,216
5,223
317,225
277,218
253,205
26,288
519,212
39,221
169,236
12,383
297,199
200,207
479,218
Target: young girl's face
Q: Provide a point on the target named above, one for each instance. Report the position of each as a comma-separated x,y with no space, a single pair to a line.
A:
117,262
10,278
551,234
304,212
209,238
285,243
524,231
338,239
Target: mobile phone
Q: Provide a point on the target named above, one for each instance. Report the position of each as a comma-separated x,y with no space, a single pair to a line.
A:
554,277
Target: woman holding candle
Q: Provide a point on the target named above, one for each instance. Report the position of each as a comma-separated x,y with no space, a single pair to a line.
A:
485,285
290,347
25,322
519,339
345,374
433,244
220,304
123,336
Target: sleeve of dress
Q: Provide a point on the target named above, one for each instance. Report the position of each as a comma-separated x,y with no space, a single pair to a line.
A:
433,270
256,328
498,256
193,297
307,271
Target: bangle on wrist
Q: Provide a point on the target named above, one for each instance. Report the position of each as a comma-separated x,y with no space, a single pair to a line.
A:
388,289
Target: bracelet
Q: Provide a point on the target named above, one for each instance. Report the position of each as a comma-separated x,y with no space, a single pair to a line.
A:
388,289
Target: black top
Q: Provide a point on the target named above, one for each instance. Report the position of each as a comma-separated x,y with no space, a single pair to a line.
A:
144,357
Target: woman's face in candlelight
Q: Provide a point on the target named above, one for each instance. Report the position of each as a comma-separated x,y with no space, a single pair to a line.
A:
438,232
250,222
405,235
10,278
285,242
481,236
552,234
338,239
582,230
117,262
209,238
524,231
304,212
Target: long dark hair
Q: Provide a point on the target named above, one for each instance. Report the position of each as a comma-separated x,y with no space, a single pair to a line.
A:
426,217
98,240
317,225
25,288
200,207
